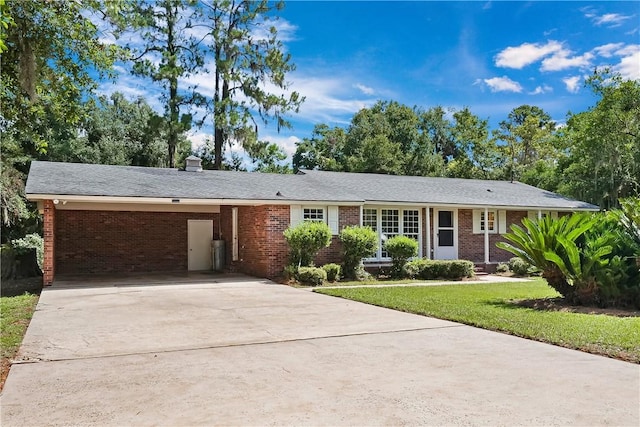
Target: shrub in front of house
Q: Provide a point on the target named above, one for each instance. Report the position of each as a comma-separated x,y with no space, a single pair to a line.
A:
290,272
519,266
313,276
400,249
428,269
333,271
459,269
357,243
305,240
502,267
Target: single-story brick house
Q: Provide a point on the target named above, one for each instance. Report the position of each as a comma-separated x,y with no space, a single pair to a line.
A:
109,219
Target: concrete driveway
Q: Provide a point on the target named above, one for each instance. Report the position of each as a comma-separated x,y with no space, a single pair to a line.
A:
242,351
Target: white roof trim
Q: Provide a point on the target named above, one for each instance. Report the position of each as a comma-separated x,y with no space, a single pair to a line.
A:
183,201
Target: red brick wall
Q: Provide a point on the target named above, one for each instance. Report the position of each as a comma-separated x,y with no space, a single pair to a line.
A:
111,241
347,215
49,264
262,250
471,246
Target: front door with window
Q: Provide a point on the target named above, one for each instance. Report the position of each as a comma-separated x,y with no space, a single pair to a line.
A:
446,236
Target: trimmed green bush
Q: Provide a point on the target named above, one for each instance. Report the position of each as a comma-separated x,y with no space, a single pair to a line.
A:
30,241
428,269
333,271
305,240
357,243
290,272
313,276
400,248
519,266
502,268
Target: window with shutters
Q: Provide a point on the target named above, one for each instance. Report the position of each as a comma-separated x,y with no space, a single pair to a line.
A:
489,222
313,214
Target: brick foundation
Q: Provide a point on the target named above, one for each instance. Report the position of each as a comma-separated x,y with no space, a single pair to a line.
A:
115,241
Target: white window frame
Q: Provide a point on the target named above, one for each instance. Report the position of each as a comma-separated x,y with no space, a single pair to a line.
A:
378,229
330,215
534,215
309,211
499,221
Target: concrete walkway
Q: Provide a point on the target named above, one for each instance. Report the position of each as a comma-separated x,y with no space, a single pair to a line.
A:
249,352
487,278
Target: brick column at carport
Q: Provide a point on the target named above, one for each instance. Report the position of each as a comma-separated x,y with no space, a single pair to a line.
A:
48,268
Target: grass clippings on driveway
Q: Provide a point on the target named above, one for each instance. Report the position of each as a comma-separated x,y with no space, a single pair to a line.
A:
498,307
16,313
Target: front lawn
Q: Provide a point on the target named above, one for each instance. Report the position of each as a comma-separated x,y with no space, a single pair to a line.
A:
16,314
494,306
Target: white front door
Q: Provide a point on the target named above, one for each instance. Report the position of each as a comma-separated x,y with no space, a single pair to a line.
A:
446,236
200,235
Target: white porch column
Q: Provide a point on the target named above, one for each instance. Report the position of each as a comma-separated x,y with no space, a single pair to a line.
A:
486,235
428,226
539,214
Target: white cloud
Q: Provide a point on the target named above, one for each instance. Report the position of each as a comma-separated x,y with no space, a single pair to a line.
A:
364,89
287,143
610,20
561,60
285,29
629,66
503,84
572,83
525,54
541,90
608,50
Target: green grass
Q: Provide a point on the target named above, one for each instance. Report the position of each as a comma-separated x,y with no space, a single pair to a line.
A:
15,315
374,282
490,306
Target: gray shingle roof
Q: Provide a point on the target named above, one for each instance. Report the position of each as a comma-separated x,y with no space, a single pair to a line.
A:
58,179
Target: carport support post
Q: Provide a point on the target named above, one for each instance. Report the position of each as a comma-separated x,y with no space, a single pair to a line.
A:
48,267
486,235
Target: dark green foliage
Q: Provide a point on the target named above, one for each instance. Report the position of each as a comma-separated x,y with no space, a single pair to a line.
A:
400,248
290,271
28,242
305,240
603,146
357,243
428,269
629,217
246,67
333,271
585,257
313,276
168,53
519,266
502,268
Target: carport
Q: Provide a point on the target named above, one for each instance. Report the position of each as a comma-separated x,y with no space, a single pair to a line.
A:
241,351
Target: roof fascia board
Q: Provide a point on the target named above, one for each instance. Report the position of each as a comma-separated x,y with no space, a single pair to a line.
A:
183,201
464,206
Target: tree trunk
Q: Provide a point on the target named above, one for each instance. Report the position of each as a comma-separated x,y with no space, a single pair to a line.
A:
19,265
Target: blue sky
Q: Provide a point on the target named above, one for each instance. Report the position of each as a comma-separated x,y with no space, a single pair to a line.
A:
489,56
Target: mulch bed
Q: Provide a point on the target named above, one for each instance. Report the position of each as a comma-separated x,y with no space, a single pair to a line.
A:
559,304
